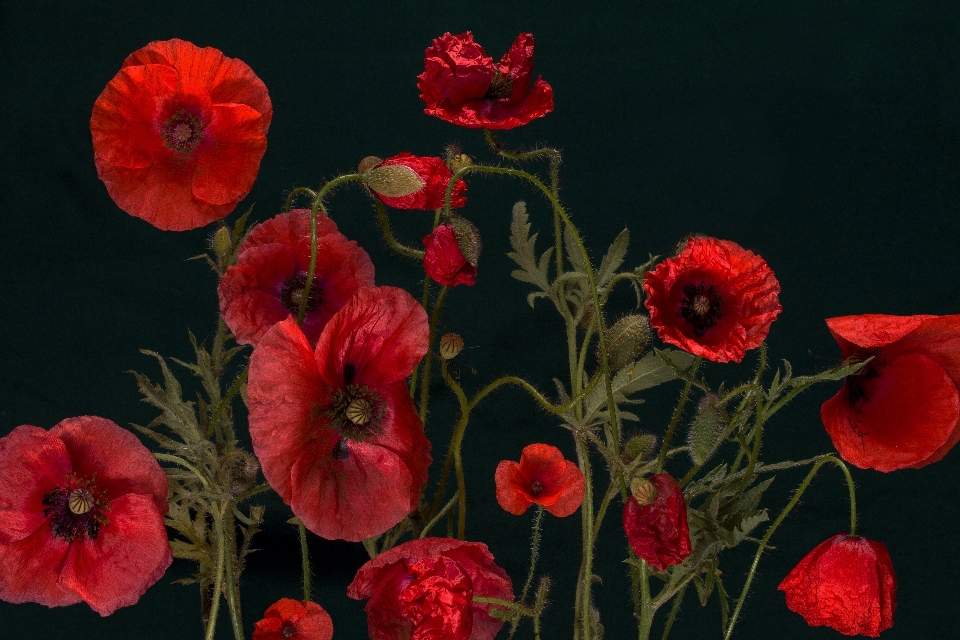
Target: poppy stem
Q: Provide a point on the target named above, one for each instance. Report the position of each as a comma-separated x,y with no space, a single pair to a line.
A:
428,360
534,554
387,232
677,413
296,192
780,518
305,557
218,580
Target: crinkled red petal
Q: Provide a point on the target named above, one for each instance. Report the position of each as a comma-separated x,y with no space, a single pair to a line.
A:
496,114
658,532
513,490
909,410
129,555
30,570
291,228
382,332
563,496
308,620
872,329
228,159
456,70
249,291
283,391
119,460
518,64
443,260
435,175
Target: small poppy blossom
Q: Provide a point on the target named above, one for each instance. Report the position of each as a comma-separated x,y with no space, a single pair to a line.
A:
655,521
847,583
179,132
714,299
406,181
267,283
451,253
334,427
425,589
461,84
902,409
288,619
541,477
81,517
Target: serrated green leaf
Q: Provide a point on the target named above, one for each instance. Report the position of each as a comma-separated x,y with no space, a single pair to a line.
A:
613,259
531,270
177,414
573,251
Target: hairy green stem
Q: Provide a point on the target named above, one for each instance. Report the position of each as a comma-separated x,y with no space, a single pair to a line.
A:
677,413
296,192
305,558
208,485
394,244
428,360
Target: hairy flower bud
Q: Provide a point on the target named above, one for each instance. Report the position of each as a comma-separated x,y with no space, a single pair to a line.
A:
627,339
368,163
221,242
639,448
238,471
705,430
393,181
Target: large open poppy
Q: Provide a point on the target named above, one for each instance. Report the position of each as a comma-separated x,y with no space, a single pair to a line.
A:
179,132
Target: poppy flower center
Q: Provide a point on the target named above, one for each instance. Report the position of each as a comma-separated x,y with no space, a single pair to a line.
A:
500,87
700,306
76,508
182,131
357,412
536,487
860,384
291,293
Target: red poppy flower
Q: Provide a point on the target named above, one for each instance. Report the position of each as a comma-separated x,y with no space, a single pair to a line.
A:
425,588
334,427
461,84
266,284
288,619
179,132
657,530
846,583
902,409
714,299
406,181
451,253
542,477
81,517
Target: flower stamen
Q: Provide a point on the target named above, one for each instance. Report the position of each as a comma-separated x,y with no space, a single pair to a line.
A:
291,293
76,509
700,306
182,132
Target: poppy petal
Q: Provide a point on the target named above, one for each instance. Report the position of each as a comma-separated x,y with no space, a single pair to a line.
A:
30,570
227,167
512,488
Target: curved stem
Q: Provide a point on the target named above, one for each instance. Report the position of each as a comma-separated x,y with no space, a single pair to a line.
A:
394,244
436,519
183,463
296,192
780,518
249,493
677,413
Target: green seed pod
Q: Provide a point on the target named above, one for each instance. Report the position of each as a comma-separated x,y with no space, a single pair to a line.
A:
705,430
627,339
450,346
393,181
639,447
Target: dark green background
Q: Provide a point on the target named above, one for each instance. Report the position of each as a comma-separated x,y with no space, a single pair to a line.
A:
823,135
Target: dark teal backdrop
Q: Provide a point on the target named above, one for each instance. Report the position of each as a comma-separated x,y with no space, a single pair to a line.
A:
824,135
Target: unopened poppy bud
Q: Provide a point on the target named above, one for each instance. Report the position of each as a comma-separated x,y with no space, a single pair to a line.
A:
221,242
639,447
643,491
468,237
368,163
393,181
627,339
451,252
238,470
705,430
457,160
450,346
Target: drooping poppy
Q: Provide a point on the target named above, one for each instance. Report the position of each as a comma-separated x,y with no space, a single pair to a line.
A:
334,427
713,299
541,477
288,619
846,583
267,283
406,181
655,521
81,516
451,253
461,84
179,132
425,588
903,408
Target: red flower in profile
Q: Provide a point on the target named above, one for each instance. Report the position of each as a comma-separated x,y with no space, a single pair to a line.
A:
902,409
288,619
846,583
81,516
657,529
425,588
542,477
266,284
178,134
334,426
714,299
451,253
461,84
406,181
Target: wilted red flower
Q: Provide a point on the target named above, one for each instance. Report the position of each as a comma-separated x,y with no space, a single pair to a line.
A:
541,477
461,84
714,299
266,284
846,583
334,427
406,181
658,530
451,253
81,517
179,132
288,619
902,409
425,588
